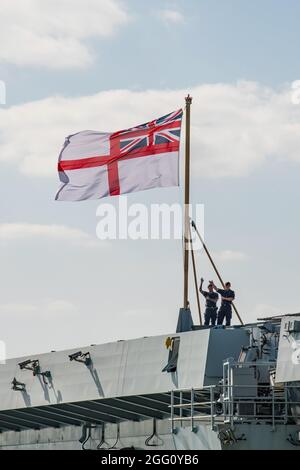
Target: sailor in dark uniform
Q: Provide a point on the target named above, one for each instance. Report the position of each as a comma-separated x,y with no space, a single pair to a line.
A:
225,311
212,298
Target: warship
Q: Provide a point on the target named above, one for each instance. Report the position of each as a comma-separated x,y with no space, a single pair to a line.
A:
202,388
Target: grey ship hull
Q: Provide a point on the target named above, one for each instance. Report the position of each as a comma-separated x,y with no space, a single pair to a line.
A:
217,389
132,434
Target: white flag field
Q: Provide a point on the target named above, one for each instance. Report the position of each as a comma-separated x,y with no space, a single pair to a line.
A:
93,165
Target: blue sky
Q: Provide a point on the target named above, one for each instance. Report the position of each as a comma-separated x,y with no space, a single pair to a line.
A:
218,41
239,60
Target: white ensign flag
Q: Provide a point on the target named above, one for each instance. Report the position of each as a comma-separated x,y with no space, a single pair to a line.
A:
93,165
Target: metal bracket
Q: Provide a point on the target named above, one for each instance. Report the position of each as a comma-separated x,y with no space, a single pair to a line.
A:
18,386
33,365
79,356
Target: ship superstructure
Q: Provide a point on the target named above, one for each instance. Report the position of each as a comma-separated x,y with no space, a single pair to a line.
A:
209,388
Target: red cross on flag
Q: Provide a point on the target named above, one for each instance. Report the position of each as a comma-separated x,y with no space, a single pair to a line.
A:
93,165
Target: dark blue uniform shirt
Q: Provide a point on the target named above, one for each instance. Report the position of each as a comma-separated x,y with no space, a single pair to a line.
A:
210,297
226,294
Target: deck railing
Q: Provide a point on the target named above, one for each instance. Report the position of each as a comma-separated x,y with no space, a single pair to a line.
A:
235,403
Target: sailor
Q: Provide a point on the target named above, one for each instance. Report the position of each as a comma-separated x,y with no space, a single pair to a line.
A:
212,298
227,296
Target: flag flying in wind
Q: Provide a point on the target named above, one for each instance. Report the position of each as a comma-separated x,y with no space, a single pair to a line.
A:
93,165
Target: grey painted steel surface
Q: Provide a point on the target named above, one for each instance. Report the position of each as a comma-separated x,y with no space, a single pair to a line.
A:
68,437
250,437
121,369
288,362
124,387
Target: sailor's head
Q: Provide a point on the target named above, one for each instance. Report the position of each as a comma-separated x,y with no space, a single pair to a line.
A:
210,287
227,285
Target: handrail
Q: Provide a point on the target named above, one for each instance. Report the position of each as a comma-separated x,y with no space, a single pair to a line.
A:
231,411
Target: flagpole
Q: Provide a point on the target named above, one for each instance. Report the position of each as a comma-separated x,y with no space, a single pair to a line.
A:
188,101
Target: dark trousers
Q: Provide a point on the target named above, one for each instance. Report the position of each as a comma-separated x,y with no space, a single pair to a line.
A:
225,312
210,316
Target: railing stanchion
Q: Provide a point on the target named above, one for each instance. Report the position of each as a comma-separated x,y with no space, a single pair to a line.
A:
212,400
286,412
192,409
172,410
273,409
180,409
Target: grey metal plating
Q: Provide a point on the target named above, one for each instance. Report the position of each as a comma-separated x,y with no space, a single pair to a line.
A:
229,389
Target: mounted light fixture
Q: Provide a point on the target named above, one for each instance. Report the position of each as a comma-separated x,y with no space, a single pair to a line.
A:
18,386
34,366
79,356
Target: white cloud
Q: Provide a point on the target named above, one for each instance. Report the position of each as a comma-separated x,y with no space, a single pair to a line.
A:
52,33
20,308
235,128
171,16
42,308
229,255
60,307
14,232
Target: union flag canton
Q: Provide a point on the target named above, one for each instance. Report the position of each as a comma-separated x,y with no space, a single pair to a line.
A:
93,165
163,131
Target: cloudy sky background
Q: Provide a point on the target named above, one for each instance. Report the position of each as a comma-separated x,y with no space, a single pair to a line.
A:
105,65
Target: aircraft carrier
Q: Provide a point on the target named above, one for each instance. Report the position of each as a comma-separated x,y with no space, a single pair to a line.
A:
235,388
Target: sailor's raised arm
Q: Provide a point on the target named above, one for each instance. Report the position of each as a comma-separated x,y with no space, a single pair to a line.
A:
214,286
